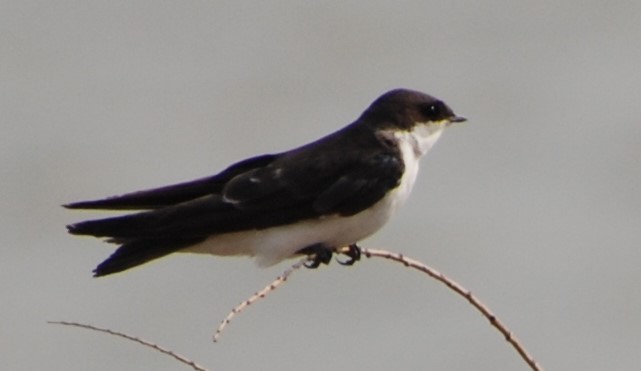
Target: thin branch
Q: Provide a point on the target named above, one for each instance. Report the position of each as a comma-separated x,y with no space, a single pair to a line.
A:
483,309
257,296
494,321
138,340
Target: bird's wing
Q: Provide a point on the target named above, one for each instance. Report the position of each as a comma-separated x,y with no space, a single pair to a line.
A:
176,193
344,185
281,192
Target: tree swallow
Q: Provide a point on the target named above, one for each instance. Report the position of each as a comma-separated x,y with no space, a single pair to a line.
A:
311,200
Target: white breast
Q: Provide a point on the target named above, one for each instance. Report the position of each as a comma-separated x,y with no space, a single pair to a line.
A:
272,245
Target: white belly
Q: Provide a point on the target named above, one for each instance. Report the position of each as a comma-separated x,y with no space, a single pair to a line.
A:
272,245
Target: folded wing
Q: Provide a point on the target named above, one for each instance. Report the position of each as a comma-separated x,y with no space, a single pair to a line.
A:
258,193
173,194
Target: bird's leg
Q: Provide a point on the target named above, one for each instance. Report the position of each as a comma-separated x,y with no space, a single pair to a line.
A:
353,253
320,254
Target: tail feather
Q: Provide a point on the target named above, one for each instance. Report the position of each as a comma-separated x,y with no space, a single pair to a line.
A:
125,226
165,222
137,252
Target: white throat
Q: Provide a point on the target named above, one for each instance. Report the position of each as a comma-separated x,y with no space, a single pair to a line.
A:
422,138
413,145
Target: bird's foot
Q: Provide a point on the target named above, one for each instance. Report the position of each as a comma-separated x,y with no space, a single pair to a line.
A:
353,252
318,254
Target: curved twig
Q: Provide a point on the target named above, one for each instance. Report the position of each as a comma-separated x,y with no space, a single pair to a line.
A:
257,296
408,262
138,340
485,311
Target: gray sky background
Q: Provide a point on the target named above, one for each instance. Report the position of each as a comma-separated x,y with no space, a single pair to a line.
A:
534,204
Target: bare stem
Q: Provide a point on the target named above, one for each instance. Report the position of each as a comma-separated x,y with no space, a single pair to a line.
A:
485,311
257,296
454,286
138,340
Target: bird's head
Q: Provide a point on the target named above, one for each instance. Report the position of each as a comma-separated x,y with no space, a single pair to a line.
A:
415,117
404,109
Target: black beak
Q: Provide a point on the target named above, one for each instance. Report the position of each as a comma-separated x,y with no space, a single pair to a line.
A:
458,119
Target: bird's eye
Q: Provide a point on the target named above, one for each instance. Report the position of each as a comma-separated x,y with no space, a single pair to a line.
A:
432,111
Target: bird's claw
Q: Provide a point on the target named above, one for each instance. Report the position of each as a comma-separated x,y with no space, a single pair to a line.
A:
317,254
353,253
321,254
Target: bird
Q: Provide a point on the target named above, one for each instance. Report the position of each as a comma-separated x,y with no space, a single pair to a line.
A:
314,200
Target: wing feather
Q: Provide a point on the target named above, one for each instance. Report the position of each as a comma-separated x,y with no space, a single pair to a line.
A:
173,194
352,190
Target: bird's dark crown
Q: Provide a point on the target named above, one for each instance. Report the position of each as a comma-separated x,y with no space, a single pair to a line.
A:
404,108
